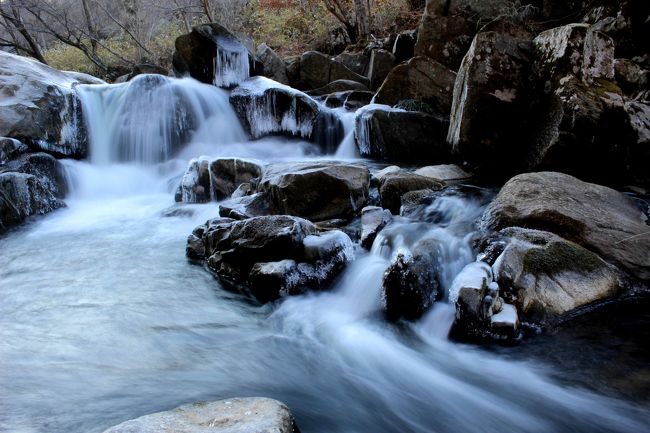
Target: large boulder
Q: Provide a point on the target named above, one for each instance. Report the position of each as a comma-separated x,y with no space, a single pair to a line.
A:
240,415
598,218
274,67
40,108
420,79
382,132
266,107
546,276
411,282
316,70
316,191
271,256
211,54
490,110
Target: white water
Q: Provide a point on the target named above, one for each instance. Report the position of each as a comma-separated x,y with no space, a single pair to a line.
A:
103,319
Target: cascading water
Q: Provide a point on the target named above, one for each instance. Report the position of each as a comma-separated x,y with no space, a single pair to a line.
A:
102,318
149,119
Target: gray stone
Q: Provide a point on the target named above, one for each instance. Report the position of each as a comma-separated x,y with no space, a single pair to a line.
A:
448,173
598,218
236,415
393,186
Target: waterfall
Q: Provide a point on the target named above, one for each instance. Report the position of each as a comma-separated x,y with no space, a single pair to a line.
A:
151,118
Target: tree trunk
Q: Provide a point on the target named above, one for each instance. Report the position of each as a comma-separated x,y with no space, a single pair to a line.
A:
92,33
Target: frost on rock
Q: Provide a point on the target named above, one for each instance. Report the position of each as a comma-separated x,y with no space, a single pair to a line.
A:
267,107
231,63
474,277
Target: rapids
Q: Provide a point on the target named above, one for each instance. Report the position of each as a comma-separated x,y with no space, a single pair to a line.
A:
103,319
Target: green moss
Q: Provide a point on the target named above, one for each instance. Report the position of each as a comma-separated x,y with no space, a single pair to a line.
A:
560,257
413,105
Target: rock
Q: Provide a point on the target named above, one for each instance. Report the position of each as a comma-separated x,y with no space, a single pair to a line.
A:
318,70
271,256
40,108
213,55
45,168
316,191
393,186
421,79
356,62
337,86
145,69
265,107
195,186
474,295
10,148
373,220
411,283
381,63
546,276
598,218
228,174
631,77
293,70
449,173
351,100
404,47
248,206
491,101
83,78
638,152
335,41
21,196
397,135
218,179
505,323
444,35
378,176
575,49
274,67
240,415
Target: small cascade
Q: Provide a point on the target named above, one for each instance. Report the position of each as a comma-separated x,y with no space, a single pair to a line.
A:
151,118
363,131
231,63
347,149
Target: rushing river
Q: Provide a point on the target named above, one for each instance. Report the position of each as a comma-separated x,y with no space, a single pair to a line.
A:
103,319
